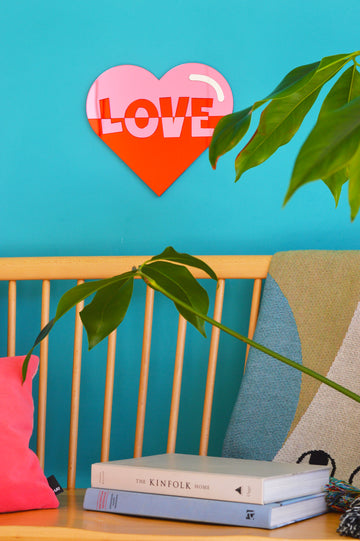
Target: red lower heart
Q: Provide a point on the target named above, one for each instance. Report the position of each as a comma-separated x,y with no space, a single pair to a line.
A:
160,162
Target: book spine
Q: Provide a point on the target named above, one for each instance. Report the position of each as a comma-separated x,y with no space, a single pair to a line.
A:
178,508
192,484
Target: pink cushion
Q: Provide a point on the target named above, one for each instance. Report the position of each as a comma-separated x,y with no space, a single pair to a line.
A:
23,484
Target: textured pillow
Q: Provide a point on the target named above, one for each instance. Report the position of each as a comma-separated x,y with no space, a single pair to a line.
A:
23,484
310,312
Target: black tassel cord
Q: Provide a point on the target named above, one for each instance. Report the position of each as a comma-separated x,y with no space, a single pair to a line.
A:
350,521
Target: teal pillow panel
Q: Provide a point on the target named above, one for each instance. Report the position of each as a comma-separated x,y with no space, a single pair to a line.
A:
310,313
269,393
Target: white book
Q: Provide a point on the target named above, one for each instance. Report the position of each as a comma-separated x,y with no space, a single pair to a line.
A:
271,515
213,478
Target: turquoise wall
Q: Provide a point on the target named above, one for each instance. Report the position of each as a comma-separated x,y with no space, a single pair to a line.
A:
65,193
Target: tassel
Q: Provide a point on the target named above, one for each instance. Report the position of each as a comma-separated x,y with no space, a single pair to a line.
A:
343,497
340,495
350,521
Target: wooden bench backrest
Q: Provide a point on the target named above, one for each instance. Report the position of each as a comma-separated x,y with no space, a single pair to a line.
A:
47,269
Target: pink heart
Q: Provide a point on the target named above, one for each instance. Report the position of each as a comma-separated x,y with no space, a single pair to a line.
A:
158,127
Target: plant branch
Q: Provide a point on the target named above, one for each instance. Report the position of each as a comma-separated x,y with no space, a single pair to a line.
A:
250,342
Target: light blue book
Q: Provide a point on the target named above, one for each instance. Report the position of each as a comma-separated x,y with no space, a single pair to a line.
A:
269,516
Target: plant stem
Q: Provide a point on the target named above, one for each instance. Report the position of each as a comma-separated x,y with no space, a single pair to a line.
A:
264,349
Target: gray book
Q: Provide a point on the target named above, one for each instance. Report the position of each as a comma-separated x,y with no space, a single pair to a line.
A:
215,478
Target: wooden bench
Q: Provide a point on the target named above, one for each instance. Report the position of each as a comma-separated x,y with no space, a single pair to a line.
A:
70,521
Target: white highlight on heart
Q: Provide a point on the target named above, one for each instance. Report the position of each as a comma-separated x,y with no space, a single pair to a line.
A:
210,81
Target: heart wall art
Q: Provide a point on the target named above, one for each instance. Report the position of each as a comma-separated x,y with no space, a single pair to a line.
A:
158,127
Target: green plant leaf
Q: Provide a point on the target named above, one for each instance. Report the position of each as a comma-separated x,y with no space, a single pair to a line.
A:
282,118
335,183
346,88
107,309
180,283
169,254
330,146
279,122
228,133
43,333
302,75
354,184
80,292
293,81
70,299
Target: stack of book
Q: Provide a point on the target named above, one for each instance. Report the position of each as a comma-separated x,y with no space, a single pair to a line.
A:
213,490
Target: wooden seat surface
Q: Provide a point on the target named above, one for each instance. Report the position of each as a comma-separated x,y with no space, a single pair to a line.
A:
70,521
